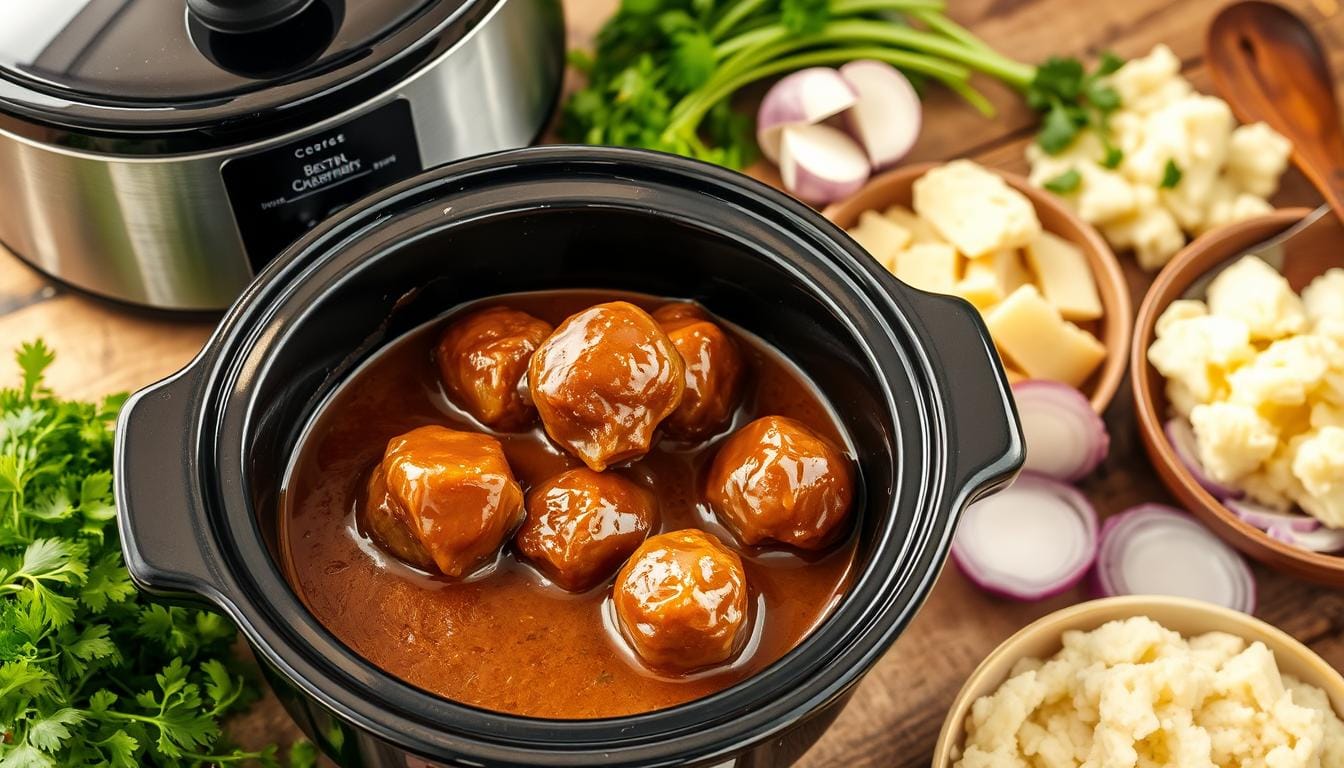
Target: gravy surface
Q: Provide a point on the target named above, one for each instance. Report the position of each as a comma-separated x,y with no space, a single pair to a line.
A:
506,639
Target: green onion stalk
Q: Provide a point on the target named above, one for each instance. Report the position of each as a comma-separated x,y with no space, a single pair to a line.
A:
665,71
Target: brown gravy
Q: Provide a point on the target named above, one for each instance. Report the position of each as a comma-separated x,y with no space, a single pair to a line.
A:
505,639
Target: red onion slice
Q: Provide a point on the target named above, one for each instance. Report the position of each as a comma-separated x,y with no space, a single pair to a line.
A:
1065,438
886,117
1155,550
805,97
1033,540
1182,438
1265,518
1319,540
820,164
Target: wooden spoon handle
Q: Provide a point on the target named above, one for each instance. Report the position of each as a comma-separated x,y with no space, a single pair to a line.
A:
1269,67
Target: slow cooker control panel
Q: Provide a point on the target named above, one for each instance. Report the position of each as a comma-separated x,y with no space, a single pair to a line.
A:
280,193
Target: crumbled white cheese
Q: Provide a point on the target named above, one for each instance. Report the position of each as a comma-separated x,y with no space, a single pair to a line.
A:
1199,351
1319,466
1225,171
1233,439
1255,293
1259,372
1323,301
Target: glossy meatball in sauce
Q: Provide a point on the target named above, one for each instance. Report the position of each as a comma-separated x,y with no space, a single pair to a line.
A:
777,480
483,359
681,601
713,371
581,525
604,381
442,499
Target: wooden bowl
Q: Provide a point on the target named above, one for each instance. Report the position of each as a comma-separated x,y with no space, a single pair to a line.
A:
1113,328
1041,639
1150,400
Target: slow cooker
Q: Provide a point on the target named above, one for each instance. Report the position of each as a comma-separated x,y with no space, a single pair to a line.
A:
912,377
161,152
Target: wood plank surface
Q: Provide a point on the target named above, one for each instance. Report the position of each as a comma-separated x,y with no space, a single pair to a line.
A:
899,707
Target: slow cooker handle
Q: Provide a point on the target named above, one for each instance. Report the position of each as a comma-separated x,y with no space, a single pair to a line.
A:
165,536
982,420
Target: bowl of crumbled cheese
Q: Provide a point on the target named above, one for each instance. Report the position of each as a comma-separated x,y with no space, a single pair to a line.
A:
1239,390
1172,163
1147,681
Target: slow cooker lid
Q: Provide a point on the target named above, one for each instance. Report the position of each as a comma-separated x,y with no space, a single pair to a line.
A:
145,64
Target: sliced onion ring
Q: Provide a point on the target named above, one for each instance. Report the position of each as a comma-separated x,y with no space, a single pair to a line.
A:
1182,438
1319,540
1264,518
1033,540
1065,438
1156,550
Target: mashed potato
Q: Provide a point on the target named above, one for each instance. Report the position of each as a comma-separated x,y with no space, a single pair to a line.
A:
1133,694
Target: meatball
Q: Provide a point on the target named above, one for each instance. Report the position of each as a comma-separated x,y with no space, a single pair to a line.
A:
604,381
442,499
581,525
681,601
777,480
713,371
483,361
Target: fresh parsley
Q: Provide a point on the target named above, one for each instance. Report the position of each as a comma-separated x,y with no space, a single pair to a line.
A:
91,672
664,71
1065,182
1071,99
1171,175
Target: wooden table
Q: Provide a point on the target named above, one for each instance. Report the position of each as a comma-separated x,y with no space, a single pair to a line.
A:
899,707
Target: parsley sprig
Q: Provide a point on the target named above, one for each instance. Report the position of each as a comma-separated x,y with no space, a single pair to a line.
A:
664,70
1071,99
91,672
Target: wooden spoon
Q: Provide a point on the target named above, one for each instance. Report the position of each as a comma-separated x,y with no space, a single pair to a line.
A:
1269,66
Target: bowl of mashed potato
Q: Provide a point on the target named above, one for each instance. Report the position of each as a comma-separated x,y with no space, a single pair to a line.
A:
1147,681
1253,362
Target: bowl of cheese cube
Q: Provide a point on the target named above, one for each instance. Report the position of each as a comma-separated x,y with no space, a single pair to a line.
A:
1239,389
1048,287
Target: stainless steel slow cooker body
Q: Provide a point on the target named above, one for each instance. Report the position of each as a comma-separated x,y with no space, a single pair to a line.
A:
179,204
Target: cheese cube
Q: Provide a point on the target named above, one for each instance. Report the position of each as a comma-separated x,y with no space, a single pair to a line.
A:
980,287
929,267
881,237
1041,343
1064,276
1005,266
975,210
920,230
